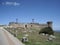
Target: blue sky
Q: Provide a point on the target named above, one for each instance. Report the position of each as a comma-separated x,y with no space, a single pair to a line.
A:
25,10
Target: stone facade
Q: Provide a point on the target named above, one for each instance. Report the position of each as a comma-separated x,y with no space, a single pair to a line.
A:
30,25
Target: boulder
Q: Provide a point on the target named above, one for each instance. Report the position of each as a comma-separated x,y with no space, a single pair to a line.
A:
24,39
26,35
51,37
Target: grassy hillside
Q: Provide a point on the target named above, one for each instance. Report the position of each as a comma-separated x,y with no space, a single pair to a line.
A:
34,37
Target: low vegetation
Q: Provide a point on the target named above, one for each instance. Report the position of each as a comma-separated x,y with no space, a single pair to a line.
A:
33,37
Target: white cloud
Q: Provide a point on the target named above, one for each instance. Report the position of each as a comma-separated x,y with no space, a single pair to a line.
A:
11,3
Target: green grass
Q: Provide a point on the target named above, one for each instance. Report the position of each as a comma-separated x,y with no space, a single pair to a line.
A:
34,37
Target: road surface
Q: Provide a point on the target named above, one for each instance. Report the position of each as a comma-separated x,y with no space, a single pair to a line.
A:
7,39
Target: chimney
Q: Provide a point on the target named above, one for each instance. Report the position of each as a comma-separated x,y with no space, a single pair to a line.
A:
32,20
16,20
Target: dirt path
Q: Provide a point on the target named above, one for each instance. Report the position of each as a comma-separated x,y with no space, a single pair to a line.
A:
8,39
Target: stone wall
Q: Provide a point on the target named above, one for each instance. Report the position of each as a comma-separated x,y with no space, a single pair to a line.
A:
31,25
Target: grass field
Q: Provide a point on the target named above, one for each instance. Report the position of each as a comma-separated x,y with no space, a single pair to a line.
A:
34,37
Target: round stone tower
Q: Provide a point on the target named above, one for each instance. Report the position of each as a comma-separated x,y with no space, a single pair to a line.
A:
49,24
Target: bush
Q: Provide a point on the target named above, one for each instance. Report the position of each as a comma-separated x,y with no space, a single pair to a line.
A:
47,30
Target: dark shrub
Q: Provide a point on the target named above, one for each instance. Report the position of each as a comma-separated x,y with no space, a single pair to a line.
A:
47,30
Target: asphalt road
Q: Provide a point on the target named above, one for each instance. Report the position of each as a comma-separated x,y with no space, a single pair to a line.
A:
7,39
